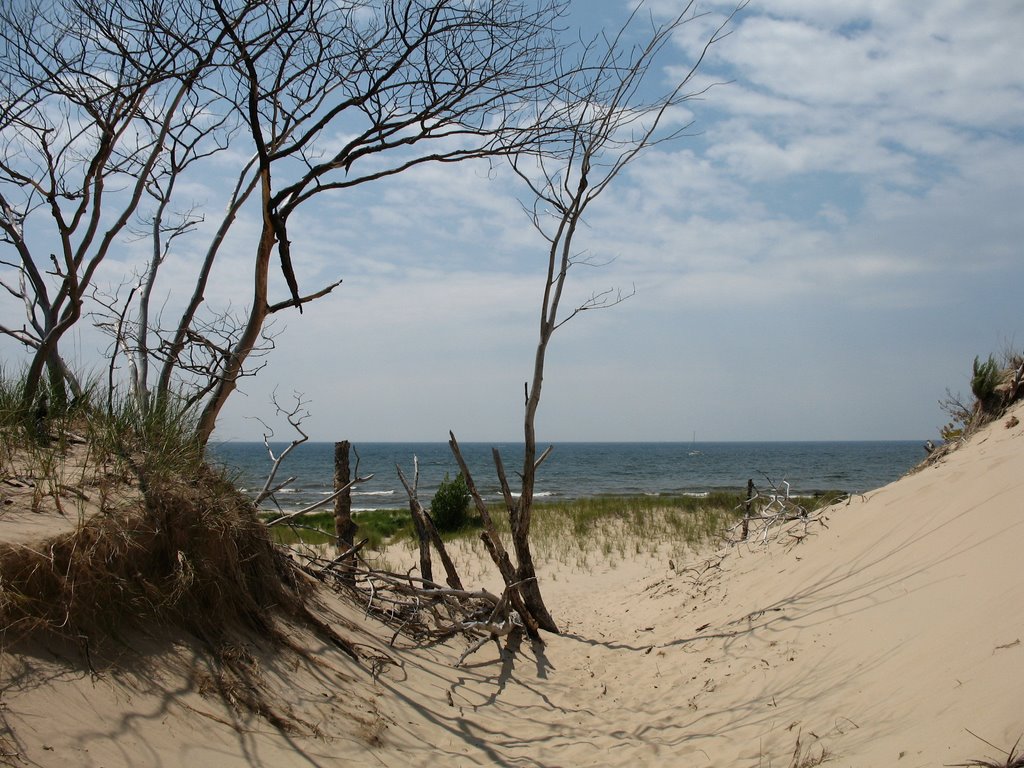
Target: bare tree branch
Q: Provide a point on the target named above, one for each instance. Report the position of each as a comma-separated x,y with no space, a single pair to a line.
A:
295,417
596,123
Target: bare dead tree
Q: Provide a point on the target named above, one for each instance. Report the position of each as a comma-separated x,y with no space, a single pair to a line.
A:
195,362
92,92
596,124
409,81
210,134
108,102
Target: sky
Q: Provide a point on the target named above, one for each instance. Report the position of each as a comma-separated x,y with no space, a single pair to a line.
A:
820,258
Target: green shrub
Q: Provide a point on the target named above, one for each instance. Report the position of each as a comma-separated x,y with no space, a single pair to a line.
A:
450,506
952,431
985,379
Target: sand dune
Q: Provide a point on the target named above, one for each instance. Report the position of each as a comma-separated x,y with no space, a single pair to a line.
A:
891,635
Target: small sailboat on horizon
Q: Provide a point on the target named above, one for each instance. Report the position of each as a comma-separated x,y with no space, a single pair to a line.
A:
693,446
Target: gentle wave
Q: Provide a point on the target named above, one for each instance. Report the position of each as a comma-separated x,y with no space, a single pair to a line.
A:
356,493
578,470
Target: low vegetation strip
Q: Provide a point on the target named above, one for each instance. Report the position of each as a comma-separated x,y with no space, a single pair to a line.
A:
620,525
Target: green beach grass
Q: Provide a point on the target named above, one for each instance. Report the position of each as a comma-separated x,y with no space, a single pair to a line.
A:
379,526
616,525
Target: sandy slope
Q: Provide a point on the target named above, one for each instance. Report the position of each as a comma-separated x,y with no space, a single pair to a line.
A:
884,639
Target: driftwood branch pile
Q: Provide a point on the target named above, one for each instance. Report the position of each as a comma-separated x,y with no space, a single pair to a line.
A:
772,514
416,607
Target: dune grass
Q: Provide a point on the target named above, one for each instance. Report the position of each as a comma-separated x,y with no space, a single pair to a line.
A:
1014,757
616,528
611,527
156,536
114,435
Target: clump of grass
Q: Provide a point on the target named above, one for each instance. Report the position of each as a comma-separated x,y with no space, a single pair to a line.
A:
12,415
808,758
156,441
995,386
1013,759
115,426
69,451
194,555
619,526
172,541
37,444
16,428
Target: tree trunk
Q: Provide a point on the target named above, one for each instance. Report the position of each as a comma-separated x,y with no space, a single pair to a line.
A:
257,317
526,573
492,541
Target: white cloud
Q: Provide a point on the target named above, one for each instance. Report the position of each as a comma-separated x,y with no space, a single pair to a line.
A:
844,227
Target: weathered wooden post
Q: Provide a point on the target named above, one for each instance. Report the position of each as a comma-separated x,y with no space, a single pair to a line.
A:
426,569
344,528
746,509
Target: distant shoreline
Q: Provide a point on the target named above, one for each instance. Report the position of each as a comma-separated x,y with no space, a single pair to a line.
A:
583,469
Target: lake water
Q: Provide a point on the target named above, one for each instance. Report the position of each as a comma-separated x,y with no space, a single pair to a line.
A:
576,470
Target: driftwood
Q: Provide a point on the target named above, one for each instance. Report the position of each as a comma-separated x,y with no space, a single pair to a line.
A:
416,605
323,502
340,559
423,609
295,418
766,514
416,509
492,541
427,533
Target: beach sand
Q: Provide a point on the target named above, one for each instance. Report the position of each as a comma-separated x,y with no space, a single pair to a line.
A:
890,635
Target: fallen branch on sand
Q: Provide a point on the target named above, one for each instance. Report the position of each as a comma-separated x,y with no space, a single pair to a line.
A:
769,511
421,608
